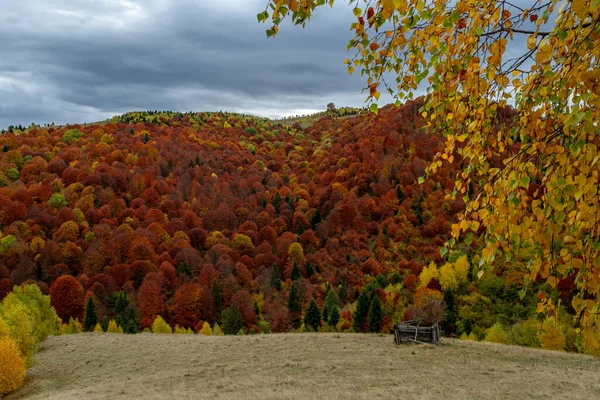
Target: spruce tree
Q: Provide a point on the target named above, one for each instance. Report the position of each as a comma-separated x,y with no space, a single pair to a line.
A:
312,318
295,307
91,319
334,316
295,274
310,271
275,280
375,314
331,301
360,313
232,320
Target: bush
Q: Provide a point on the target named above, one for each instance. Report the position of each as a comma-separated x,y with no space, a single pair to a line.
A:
72,328
470,336
160,326
525,333
98,328
217,331
206,330
496,334
183,331
43,317
12,371
551,336
113,327
19,325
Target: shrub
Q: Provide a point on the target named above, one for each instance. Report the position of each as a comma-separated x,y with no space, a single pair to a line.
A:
113,327
43,317
98,328
217,330
525,333
183,331
19,325
72,328
160,326
206,330
13,366
591,342
551,336
470,336
496,334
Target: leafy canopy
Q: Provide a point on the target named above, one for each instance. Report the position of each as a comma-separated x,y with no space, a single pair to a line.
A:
531,184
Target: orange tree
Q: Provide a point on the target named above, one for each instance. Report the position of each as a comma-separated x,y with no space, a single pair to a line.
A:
530,186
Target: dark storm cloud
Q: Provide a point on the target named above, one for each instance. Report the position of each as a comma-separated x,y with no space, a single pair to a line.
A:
80,60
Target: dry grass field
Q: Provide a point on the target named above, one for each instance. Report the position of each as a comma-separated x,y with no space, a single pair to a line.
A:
300,366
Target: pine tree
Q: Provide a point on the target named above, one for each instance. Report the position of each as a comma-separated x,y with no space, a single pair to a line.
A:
275,280
295,307
312,318
360,313
295,274
91,319
310,271
316,219
375,314
331,301
216,292
232,320
334,316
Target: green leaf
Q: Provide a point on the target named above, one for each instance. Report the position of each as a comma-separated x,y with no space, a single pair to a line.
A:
469,238
357,12
443,251
374,108
522,293
421,180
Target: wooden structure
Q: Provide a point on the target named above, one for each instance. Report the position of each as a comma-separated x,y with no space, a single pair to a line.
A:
410,331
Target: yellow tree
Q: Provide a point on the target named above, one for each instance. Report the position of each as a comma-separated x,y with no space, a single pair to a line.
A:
531,184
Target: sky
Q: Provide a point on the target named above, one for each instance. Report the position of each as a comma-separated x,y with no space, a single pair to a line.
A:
74,61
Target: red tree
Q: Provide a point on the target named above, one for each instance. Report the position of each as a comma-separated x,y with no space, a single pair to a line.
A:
66,296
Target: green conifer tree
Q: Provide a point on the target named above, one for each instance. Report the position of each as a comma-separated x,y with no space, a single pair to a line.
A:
331,301
91,319
360,313
312,317
375,314
275,280
295,306
295,274
232,320
334,316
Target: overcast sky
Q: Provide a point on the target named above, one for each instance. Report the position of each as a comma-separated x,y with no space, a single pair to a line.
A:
68,61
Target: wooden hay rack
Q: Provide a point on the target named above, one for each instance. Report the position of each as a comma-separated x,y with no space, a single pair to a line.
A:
411,331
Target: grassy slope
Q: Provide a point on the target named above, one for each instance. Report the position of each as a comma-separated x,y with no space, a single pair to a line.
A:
290,366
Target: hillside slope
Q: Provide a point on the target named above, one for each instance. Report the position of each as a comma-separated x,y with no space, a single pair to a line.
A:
285,366
181,202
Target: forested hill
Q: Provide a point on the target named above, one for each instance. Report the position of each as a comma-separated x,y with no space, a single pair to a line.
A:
194,212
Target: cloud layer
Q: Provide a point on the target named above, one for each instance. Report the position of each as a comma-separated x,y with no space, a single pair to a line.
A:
84,60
